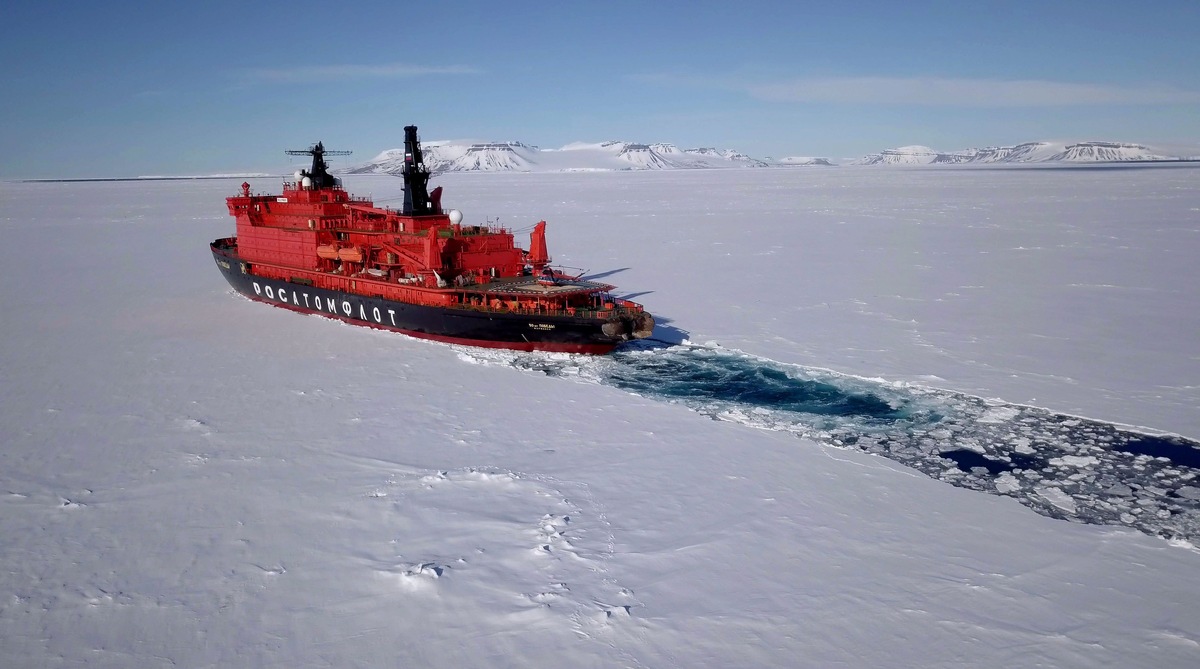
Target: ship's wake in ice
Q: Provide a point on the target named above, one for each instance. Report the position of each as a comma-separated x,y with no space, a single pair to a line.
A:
1061,466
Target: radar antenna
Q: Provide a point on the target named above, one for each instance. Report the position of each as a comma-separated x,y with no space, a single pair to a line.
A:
319,174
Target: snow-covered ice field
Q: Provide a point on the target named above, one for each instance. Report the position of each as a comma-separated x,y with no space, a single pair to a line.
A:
188,478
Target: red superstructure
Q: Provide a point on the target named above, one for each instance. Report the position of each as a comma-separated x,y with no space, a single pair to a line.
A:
417,270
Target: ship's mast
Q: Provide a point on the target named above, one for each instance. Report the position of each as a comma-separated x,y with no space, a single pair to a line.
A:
416,176
319,174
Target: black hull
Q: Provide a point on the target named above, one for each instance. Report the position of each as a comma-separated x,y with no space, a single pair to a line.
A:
522,332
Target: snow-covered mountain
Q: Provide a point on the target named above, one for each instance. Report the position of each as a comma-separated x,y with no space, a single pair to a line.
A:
1106,151
512,156
802,161
468,156
1029,152
456,157
904,155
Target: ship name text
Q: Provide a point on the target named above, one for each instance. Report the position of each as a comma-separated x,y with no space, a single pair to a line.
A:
328,305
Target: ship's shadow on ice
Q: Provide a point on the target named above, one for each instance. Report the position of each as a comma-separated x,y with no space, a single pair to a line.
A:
632,296
604,274
1061,466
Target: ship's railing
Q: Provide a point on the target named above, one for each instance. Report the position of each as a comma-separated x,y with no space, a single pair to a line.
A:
477,230
506,308
295,185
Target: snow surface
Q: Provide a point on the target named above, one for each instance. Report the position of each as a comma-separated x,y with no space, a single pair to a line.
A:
188,478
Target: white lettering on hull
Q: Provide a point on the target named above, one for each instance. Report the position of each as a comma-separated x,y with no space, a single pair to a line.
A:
334,306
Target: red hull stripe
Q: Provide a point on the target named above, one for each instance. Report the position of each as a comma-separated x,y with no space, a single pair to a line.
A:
553,347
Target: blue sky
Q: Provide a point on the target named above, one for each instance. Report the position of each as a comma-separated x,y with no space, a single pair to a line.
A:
124,89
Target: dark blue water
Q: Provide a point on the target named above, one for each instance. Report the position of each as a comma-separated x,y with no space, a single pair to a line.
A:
1179,451
749,383
967,460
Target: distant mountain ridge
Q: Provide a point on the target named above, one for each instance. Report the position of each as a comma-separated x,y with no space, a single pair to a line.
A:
465,156
1029,152
513,156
